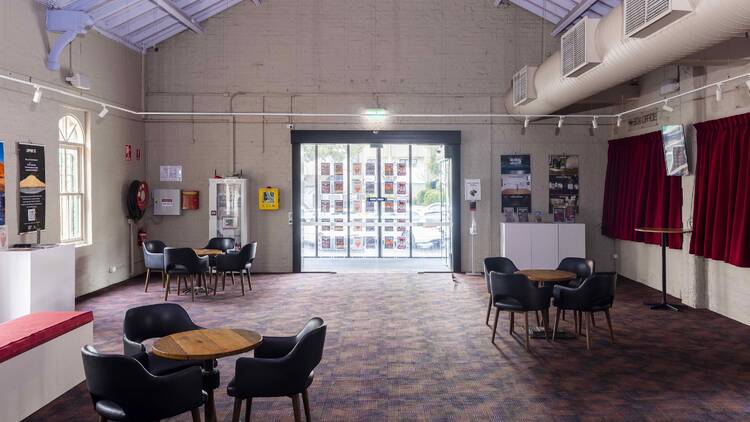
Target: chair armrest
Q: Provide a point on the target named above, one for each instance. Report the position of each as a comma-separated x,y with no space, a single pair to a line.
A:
179,390
132,348
275,347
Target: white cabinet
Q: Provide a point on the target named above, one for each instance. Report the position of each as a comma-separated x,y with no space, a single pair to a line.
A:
541,246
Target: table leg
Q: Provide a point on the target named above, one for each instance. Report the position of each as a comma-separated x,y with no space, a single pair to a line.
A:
663,304
210,407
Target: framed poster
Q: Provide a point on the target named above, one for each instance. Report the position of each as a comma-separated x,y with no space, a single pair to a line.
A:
170,173
32,188
563,182
515,176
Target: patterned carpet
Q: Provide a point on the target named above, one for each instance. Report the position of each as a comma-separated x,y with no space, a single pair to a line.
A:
415,347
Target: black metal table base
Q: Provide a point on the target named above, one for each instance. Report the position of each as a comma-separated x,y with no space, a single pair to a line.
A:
664,306
538,333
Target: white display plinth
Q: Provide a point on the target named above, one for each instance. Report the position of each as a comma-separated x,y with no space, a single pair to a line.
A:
37,280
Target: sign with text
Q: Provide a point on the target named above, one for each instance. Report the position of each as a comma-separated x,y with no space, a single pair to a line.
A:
32,188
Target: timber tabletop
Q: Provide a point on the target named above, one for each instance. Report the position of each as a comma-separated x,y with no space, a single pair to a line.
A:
674,230
212,343
547,276
207,252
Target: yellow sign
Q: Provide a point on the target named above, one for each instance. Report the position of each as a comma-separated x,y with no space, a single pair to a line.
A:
268,198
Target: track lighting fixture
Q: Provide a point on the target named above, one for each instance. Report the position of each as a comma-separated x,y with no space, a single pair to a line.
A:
37,96
104,111
594,123
526,122
747,83
719,93
560,122
619,121
666,107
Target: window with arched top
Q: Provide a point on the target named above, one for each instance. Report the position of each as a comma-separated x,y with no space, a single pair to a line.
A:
72,156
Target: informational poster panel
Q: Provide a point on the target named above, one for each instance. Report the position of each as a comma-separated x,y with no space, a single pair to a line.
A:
563,182
515,174
32,188
170,173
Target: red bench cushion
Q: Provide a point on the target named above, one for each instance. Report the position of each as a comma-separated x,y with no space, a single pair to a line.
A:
24,333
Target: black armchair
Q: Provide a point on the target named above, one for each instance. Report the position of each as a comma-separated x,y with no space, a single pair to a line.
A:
153,321
185,265
596,294
236,263
498,264
222,243
123,390
583,268
153,258
516,293
282,366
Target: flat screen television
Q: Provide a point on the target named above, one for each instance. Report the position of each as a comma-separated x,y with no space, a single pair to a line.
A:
675,153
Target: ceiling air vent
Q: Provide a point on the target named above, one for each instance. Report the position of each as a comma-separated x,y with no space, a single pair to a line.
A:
644,17
579,49
523,86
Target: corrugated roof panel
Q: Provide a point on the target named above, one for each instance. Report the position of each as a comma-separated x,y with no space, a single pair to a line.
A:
141,24
565,13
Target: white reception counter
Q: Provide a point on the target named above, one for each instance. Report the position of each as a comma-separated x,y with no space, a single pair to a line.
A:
33,280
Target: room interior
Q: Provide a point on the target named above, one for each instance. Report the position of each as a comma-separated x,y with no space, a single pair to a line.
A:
351,210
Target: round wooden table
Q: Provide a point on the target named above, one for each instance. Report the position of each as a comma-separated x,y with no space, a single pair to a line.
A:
665,232
207,345
548,276
207,252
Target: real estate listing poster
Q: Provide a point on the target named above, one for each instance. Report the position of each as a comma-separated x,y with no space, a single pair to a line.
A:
31,188
563,182
515,175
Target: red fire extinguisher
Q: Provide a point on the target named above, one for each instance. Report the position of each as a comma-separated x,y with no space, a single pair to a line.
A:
142,236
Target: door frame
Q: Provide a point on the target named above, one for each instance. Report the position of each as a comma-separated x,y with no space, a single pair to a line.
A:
451,139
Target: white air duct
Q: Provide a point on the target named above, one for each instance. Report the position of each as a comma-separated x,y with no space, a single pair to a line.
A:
623,59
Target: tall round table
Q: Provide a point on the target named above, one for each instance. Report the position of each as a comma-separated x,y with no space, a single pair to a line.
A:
665,232
207,345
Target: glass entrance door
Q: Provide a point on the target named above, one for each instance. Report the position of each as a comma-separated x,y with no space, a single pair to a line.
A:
375,207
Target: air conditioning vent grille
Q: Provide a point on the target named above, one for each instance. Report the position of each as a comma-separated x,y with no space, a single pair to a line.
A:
577,55
523,88
641,16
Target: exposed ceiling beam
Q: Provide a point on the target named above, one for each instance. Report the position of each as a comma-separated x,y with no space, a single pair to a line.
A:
119,39
178,14
571,17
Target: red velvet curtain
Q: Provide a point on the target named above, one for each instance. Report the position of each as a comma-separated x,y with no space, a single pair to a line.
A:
721,216
638,193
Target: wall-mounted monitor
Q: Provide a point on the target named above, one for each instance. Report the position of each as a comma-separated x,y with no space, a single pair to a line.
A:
675,152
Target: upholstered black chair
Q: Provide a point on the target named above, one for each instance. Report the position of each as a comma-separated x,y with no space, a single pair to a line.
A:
582,268
596,294
498,264
515,293
153,258
282,366
184,264
123,390
222,243
236,263
154,321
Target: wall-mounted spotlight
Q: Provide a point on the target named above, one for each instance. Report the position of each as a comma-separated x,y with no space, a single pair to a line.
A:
560,122
719,93
37,96
594,123
526,122
747,84
104,111
666,107
619,121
